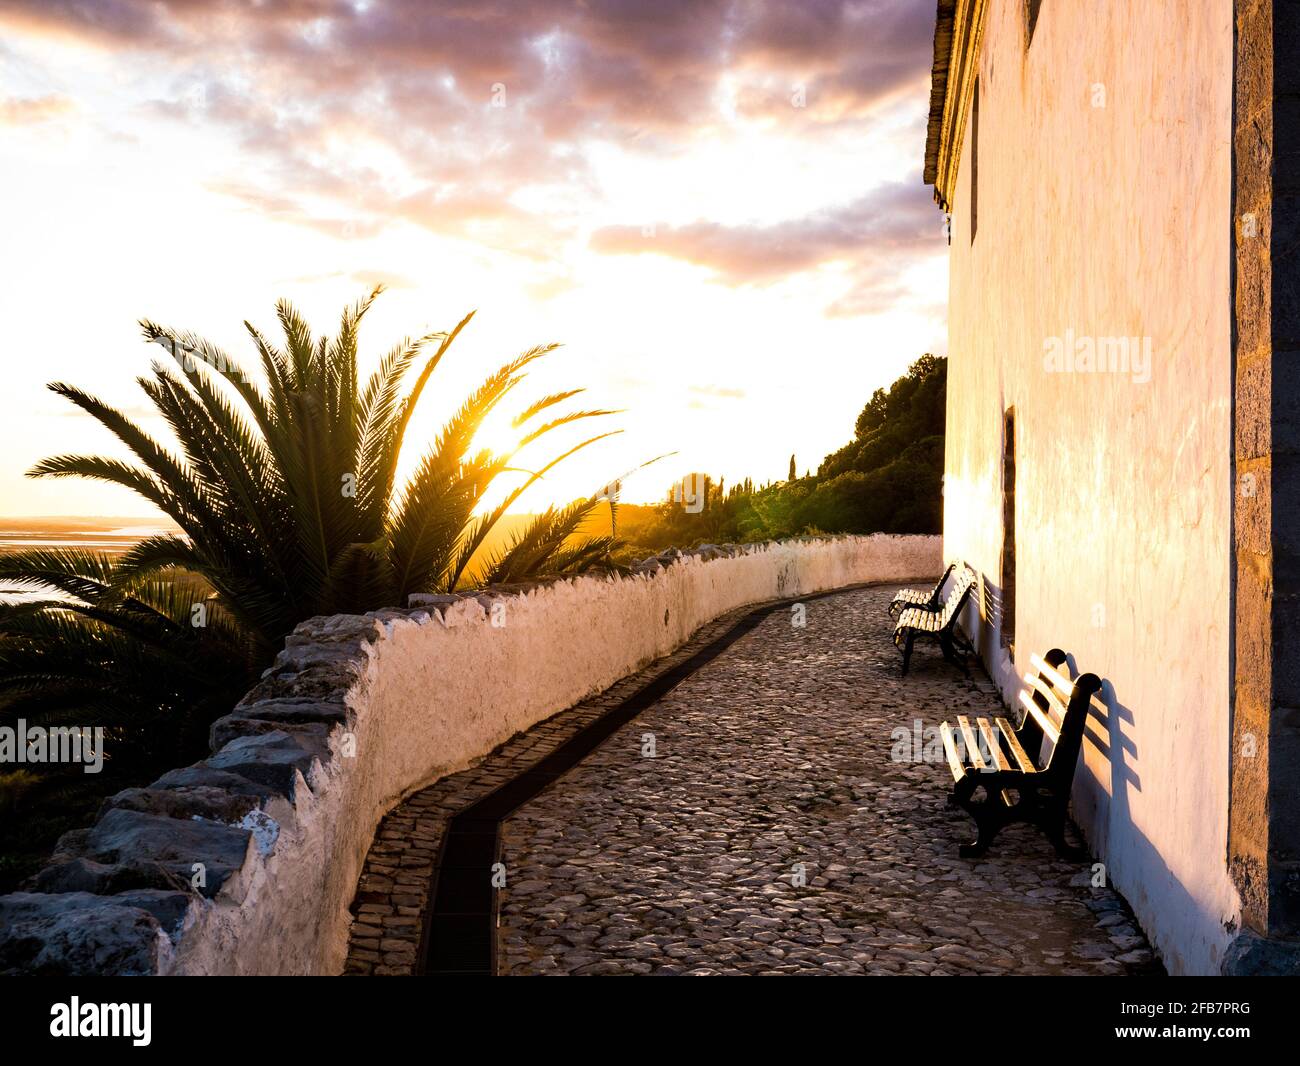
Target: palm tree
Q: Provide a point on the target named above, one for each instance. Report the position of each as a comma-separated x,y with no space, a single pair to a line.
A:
288,505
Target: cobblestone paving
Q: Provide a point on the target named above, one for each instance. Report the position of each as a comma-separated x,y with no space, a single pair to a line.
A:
772,761
393,890
775,754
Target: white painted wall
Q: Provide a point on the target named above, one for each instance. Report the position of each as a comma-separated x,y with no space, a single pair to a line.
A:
440,689
1110,221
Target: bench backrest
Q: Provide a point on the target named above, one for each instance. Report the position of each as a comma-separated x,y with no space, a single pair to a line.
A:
1056,711
936,593
957,597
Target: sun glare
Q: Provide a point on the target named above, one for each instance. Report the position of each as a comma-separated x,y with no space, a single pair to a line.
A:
498,434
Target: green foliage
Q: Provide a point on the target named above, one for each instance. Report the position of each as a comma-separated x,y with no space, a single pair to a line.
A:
38,808
696,509
912,410
888,479
13,787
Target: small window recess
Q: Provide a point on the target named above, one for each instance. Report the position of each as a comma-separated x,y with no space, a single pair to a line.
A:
975,161
1032,7
1008,590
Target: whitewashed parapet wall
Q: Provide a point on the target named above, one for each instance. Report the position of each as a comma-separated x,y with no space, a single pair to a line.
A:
356,713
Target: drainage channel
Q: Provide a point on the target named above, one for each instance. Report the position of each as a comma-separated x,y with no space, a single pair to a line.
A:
461,922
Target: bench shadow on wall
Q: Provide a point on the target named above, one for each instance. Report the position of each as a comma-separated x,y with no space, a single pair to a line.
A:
1146,879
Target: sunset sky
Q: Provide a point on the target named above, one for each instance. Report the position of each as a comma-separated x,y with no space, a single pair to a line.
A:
716,208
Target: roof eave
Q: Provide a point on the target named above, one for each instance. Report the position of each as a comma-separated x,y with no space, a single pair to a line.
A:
958,31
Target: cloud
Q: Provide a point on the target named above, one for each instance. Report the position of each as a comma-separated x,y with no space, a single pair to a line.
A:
20,111
308,88
843,59
367,279
871,292
387,278
347,117
873,240
719,391
896,218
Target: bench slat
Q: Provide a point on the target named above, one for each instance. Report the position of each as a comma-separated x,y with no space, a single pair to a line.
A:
991,741
1045,690
1044,722
1017,749
920,597
1063,684
950,749
911,597
972,745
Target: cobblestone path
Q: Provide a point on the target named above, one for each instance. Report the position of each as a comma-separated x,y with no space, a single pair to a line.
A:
754,821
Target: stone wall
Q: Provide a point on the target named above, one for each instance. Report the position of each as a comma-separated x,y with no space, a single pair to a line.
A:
246,863
1264,819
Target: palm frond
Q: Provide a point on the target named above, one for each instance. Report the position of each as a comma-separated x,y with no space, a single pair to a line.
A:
286,495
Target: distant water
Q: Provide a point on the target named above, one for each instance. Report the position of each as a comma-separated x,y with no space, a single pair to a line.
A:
17,535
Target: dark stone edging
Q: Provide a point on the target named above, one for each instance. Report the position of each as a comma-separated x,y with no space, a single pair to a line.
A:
460,921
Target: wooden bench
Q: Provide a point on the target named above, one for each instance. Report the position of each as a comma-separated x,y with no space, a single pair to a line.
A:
927,601
1025,773
939,625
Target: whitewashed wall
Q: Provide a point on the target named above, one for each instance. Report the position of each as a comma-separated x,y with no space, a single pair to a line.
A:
442,690
1104,209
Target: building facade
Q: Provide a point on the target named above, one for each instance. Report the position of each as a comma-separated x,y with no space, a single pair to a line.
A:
1122,422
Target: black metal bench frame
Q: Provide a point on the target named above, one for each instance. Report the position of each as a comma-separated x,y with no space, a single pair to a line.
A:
926,601
940,625
1008,763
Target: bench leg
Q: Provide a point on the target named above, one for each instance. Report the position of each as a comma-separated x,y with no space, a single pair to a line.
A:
988,829
907,652
989,816
950,653
1053,824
